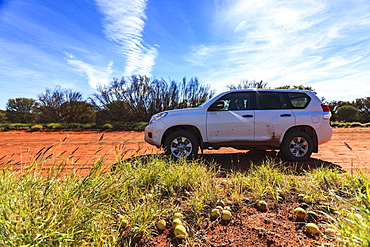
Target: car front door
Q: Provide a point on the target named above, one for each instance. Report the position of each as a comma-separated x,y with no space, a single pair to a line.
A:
231,119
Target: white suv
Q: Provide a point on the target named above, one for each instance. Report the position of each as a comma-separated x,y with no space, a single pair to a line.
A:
294,121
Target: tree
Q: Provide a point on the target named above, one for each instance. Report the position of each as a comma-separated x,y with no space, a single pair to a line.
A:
347,113
137,98
191,93
77,112
295,87
64,106
110,102
3,117
22,110
334,106
244,84
363,106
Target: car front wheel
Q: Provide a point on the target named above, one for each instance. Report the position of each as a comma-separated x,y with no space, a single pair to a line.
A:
181,144
297,146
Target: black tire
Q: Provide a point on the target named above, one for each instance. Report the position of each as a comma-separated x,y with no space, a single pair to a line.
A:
181,144
297,146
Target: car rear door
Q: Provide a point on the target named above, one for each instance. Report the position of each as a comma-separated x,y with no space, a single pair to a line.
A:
272,118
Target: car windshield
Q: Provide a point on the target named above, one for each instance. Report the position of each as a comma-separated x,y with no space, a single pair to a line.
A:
204,103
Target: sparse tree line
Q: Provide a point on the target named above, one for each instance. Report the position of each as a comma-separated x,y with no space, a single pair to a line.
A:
136,98
128,100
351,111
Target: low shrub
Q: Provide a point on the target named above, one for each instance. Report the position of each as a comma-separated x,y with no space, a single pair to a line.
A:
139,126
107,126
89,126
118,126
54,126
36,127
349,125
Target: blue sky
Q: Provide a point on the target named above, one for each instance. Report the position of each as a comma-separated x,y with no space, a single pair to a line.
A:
77,45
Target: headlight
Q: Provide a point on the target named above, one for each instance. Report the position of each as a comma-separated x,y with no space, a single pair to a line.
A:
157,117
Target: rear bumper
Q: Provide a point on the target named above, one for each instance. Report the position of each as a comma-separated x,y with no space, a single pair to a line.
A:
324,132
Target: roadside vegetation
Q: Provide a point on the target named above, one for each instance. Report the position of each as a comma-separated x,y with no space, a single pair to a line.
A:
121,205
135,126
349,124
135,99
128,100
117,126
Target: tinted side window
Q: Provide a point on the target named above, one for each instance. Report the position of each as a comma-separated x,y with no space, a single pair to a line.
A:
299,100
270,100
236,101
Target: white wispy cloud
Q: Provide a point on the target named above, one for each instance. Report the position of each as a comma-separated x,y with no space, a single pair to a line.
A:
124,24
96,75
289,43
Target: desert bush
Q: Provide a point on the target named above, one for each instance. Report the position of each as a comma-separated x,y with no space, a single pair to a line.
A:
22,110
54,126
348,125
64,106
137,98
36,127
355,124
19,126
363,106
347,113
107,126
89,126
3,117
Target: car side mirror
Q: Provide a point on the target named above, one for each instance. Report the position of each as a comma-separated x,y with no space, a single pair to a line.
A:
217,106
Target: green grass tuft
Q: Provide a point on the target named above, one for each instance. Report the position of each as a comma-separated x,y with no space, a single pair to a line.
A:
75,210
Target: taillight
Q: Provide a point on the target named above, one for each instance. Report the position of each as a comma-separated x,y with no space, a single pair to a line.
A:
326,110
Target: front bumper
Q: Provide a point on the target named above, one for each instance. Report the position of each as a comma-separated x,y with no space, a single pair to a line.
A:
153,136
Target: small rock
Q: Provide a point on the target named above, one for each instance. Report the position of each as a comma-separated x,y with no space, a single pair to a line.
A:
262,206
312,228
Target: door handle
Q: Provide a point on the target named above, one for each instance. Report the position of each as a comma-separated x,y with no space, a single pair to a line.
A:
247,116
285,115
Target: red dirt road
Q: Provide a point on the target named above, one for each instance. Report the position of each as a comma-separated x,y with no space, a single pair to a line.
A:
81,148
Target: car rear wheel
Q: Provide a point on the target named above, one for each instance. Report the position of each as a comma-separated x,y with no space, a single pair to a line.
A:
297,146
181,144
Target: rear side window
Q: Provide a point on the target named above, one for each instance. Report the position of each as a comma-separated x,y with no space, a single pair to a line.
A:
298,100
270,100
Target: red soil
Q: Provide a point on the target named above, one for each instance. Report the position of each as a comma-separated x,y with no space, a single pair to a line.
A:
83,147
349,148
